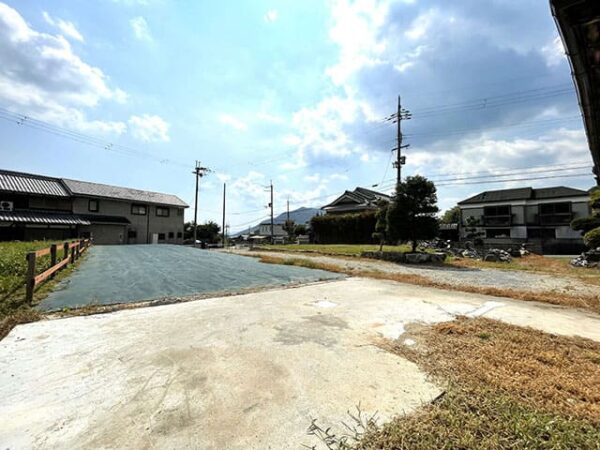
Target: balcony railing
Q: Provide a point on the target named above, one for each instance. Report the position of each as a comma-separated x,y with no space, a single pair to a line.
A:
498,221
554,219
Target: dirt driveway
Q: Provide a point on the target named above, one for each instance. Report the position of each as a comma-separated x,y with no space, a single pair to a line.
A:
454,276
242,372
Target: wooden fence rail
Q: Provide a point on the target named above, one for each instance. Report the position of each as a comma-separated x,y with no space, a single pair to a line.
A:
72,250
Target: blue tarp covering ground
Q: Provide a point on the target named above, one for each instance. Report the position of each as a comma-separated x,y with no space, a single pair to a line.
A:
126,274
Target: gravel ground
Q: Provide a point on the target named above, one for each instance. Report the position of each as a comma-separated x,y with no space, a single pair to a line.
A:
506,279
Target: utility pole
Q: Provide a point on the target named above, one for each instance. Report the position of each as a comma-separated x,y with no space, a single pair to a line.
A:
200,172
271,205
288,209
401,114
224,234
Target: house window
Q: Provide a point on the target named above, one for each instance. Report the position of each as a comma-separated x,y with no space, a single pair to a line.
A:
496,215
138,210
559,213
180,212
179,235
162,212
161,236
132,234
496,233
171,235
93,205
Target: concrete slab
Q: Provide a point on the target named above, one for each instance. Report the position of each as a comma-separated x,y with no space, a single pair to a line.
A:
248,372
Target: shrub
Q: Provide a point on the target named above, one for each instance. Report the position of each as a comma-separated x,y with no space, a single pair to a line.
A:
585,224
592,238
354,228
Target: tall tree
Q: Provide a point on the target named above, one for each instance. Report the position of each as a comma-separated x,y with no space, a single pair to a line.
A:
451,215
411,214
590,226
381,224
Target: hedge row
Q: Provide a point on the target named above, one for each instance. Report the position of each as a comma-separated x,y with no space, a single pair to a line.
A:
354,228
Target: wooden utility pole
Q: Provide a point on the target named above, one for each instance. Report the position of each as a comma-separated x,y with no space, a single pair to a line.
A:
224,192
200,172
271,205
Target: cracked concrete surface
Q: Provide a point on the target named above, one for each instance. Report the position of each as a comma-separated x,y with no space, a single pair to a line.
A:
249,371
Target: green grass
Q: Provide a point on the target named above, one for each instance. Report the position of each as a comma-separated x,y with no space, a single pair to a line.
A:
335,249
13,268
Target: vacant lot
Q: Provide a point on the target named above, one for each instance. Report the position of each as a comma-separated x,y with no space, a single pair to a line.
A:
132,273
335,249
507,387
518,284
242,372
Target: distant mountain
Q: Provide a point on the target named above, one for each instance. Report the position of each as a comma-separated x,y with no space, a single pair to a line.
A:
300,216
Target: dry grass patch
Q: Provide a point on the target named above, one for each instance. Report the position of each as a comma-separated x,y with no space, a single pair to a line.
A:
588,302
507,387
548,372
535,263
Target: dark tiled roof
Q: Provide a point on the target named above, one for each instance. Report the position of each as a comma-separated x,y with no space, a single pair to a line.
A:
361,196
122,193
41,217
528,193
25,183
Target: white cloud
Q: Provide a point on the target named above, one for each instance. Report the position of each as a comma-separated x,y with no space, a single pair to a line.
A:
355,30
554,52
233,122
271,16
149,128
67,28
140,28
41,76
271,118
421,26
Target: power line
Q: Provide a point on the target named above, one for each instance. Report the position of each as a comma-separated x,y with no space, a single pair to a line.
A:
586,174
545,122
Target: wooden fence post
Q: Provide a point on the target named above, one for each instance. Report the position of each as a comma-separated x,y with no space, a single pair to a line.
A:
72,255
65,250
30,286
53,249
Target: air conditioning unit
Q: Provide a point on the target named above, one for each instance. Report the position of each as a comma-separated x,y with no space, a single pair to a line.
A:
6,205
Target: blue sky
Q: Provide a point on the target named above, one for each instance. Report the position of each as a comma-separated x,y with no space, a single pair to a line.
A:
289,91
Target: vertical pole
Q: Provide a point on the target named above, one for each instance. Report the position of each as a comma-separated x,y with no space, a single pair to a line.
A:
399,138
224,193
30,282
72,255
196,203
272,235
52,257
65,250
288,209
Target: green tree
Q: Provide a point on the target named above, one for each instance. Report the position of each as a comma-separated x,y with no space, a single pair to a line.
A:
590,226
300,229
451,215
208,232
381,224
411,214
472,232
290,228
